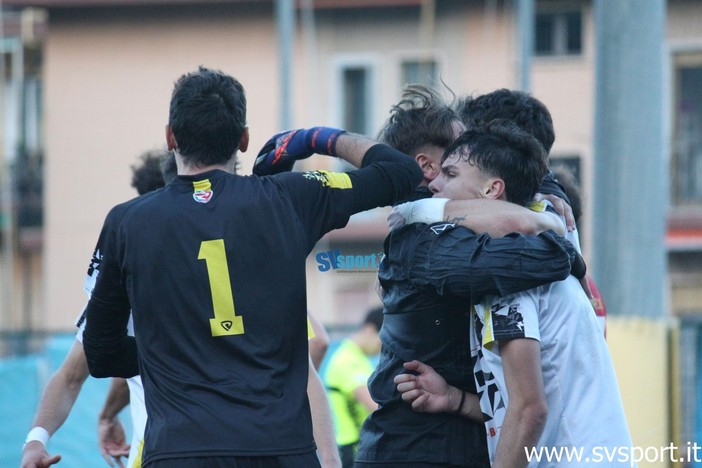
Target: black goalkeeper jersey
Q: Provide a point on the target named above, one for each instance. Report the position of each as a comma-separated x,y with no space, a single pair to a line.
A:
430,274
213,269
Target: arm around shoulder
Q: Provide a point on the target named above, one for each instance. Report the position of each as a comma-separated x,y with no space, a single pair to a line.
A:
499,218
386,177
457,261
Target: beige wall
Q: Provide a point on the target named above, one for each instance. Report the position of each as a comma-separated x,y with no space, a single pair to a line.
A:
108,85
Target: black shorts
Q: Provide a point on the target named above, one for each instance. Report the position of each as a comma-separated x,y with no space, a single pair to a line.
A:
303,460
347,453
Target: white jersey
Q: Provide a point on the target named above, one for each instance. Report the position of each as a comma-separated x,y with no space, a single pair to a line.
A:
136,390
136,405
585,410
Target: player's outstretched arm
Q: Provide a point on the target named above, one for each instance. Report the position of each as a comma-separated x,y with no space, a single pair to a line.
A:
322,423
283,149
111,436
494,217
352,148
55,404
428,392
457,261
318,344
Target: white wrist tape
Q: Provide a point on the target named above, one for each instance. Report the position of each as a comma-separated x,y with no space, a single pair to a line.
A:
39,434
427,210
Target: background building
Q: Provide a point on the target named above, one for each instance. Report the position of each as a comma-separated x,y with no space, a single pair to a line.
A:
86,90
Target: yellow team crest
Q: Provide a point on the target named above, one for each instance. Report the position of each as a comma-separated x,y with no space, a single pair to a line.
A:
202,191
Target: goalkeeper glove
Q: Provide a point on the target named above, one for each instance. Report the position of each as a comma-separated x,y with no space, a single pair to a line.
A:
283,149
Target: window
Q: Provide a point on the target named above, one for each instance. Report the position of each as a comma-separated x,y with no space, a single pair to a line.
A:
686,171
352,96
423,72
567,171
355,109
558,34
569,164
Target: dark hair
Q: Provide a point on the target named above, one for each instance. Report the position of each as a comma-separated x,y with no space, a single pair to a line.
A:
530,114
571,187
169,168
420,118
374,317
502,149
147,176
207,116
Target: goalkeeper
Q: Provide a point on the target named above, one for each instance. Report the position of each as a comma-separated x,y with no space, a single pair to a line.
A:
213,268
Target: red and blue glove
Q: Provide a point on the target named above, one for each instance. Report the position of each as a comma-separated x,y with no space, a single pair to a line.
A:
283,149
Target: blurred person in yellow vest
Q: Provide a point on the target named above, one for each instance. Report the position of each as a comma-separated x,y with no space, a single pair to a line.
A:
346,380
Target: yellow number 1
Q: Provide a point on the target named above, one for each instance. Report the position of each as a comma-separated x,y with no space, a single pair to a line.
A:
225,321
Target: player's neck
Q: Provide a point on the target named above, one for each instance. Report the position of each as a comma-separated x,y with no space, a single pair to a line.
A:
188,169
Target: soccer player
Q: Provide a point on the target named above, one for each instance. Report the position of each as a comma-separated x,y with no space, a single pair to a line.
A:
156,168
346,380
319,340
542,368
532,116
213,270
423,126
430,275
63,387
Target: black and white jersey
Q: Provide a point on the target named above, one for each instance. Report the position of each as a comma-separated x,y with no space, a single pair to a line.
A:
430,276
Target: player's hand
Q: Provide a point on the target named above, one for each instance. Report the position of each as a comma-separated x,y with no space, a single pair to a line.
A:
578,268
112,441
427,391
427,210
398,215
283,149
34,455
585,284
561,206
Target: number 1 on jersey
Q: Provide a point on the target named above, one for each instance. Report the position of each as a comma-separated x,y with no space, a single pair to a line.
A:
225,321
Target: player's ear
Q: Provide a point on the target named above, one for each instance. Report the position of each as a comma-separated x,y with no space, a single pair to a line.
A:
495,188
428,166
170,139
244,141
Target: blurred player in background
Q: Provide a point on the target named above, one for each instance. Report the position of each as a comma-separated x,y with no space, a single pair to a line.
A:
64,386
346,381
572,190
